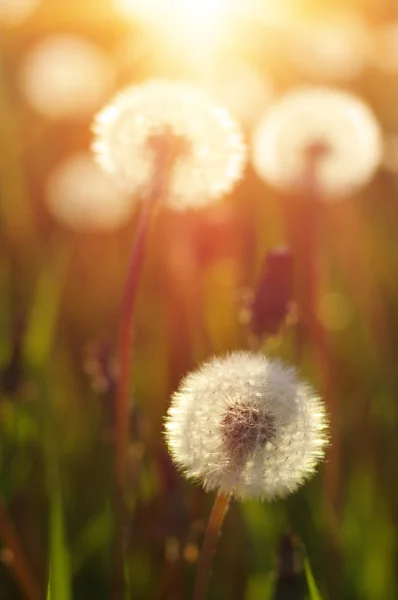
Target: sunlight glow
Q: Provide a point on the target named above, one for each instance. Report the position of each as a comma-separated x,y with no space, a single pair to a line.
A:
187,10
200,30
195,24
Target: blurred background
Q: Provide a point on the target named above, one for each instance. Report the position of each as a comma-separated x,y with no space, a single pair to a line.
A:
64,252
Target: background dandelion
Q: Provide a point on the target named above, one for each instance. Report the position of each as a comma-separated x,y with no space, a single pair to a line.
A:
215,154
305,117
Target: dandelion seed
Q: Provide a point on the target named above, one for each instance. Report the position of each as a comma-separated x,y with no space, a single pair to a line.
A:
246,425
215,151
313,116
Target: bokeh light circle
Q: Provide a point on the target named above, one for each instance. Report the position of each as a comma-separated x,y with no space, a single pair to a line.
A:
83,197
65,76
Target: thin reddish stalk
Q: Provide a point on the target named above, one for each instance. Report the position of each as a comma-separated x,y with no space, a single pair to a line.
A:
164,156
212,533
18,564
126,330
123,386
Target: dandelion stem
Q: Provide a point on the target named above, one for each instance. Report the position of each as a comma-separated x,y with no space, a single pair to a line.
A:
18,564
165,153
126,330
212,533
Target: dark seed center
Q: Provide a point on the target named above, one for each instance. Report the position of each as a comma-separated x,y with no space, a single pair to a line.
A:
246,428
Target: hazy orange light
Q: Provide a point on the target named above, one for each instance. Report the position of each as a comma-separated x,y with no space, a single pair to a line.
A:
201,31
178,15
197,29
175,9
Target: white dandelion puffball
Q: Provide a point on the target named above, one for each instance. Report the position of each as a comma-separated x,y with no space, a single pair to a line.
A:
65,76
313,116
15,12
245,425
215,151
81,196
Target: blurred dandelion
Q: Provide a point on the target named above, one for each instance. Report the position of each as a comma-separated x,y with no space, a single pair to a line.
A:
65,76
313,117
81,196
215,155
333,45
15,12
246,425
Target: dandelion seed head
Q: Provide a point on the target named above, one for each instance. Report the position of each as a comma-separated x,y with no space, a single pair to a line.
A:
318,116
215,152
245,424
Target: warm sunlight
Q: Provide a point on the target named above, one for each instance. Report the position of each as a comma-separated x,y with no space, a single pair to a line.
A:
204,10
194,22
187,11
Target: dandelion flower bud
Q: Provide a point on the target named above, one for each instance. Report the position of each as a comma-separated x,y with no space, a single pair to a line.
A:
313,116
215,152
246,425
